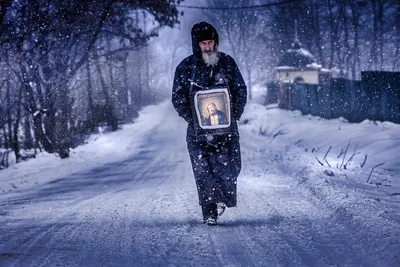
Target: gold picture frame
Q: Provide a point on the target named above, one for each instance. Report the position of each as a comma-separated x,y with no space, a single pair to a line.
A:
213,108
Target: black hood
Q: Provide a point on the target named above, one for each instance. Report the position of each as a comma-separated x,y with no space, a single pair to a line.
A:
202,31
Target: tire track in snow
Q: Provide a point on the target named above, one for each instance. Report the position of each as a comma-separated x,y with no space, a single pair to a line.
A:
334,236
329,240
144,211
309,234
367,228
229,247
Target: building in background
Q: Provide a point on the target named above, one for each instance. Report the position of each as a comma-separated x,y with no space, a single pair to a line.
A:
297,65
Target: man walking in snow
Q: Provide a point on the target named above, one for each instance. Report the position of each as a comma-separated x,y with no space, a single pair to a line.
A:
209,75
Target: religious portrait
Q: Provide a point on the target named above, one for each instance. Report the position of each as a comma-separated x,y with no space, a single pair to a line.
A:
213,108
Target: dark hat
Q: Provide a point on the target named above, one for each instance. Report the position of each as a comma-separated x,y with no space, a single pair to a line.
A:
204,31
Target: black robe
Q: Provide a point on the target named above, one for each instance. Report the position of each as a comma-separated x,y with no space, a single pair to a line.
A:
214,153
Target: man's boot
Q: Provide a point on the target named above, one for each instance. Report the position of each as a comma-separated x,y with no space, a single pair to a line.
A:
210,213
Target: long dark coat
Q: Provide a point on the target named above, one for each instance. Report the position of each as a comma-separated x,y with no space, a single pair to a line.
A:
214,153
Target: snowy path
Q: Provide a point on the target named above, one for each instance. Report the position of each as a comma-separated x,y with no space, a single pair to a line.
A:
143,211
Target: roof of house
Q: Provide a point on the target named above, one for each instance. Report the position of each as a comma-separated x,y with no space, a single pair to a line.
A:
298,57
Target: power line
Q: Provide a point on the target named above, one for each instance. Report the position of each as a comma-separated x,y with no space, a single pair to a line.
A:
241,7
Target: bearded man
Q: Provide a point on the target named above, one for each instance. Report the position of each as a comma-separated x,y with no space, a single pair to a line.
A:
215,116
214,152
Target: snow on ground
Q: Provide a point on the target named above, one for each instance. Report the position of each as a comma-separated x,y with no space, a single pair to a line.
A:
101,149
312,192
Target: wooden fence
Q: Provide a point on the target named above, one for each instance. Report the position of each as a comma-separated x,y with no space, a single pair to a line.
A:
375,97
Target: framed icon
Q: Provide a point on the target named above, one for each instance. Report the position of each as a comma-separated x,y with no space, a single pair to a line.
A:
213,108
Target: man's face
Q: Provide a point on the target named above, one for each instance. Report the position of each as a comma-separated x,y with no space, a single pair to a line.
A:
207,46
212,109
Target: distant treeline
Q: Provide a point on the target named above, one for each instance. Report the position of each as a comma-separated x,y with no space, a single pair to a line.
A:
67,67
346,36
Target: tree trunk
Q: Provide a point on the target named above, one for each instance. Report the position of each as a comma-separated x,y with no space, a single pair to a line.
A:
36,113
108,108
347,52
380,37
28,142
62,131
14,142
90,122
356,67
13,127
114,94
4,160
341,55
40,135
124,96
316,24
139,73
9,136
147,59
396,57
373,57
332,35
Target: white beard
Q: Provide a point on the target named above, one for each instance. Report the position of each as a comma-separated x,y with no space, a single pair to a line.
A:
211,59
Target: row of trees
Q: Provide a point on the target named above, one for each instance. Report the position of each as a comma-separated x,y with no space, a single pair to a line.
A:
349,36
68,66
345,36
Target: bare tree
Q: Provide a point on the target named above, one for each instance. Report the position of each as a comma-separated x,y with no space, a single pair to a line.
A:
396,39
315,25
48,44
356,55
241,27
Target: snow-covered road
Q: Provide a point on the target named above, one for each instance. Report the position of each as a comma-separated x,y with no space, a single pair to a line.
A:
142,210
